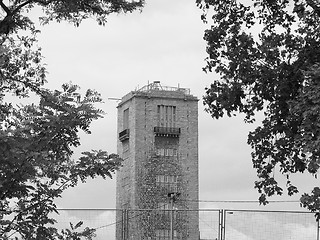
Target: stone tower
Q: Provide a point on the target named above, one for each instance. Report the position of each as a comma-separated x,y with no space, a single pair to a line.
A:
157,187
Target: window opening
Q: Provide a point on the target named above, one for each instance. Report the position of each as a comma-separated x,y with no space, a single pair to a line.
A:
126,118
169,182
167,152
164,234
166,116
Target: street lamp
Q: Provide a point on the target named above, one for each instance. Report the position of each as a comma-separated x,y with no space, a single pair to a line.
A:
172,197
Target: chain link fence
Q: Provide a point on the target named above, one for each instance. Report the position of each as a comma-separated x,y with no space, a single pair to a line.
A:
213,224
267,225
103,220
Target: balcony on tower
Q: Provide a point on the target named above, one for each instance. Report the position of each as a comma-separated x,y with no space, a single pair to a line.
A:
124,135
167,131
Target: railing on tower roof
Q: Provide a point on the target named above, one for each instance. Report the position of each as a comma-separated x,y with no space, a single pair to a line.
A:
156,86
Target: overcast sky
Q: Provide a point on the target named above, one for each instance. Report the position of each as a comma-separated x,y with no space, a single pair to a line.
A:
163,43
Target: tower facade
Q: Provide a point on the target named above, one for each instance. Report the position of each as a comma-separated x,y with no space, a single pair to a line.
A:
157,187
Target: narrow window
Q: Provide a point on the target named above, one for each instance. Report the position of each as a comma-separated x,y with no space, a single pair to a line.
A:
164,234
166,116
126,119
169,182
166,152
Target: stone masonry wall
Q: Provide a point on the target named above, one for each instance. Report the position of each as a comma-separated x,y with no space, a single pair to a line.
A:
136,181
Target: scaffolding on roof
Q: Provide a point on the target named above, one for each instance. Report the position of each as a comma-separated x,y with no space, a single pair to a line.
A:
156,86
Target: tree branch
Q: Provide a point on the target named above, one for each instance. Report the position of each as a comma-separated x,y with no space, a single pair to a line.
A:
7,23
30,1
17,9
19,214
5,8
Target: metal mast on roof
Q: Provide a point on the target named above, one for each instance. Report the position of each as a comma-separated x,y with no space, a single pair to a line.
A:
155,85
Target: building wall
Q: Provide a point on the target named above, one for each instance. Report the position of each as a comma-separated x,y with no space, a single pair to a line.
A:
137,186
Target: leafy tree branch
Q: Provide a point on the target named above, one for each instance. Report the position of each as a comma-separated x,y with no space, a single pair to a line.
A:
37,140
267,56
73,11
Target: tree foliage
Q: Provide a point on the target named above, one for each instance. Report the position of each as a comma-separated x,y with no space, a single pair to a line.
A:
37,140
267,54
73,11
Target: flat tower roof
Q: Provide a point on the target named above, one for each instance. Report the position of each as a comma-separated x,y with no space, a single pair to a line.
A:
155,89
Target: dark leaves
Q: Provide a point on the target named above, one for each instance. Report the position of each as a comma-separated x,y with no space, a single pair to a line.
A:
73,11
267,56
312,201
36,166
37,140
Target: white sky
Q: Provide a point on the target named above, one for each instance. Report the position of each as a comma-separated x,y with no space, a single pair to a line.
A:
164,43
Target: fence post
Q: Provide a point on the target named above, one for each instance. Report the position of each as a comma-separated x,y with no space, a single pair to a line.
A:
219,228
171,218
318,227
122,224
222,223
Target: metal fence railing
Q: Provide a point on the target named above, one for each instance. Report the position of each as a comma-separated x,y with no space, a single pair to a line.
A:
213,224
103,220
267,225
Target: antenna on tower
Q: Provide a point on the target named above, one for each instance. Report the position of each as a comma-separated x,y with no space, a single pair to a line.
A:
156,85
114,99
